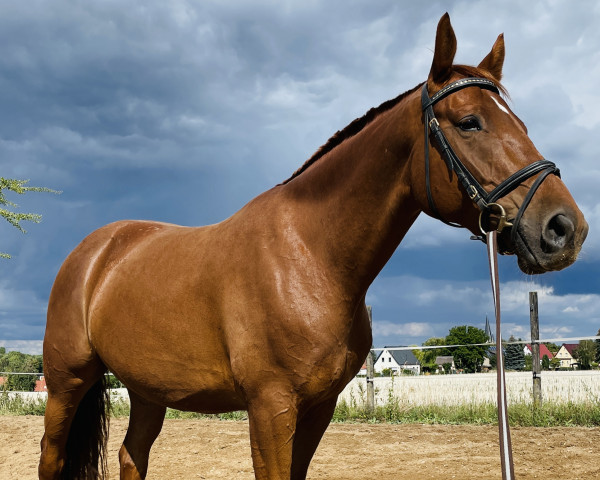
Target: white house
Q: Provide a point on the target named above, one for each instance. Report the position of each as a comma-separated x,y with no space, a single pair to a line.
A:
566,355
397,361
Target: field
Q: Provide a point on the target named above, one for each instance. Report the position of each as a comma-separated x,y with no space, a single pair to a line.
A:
213,449
218,449
560,387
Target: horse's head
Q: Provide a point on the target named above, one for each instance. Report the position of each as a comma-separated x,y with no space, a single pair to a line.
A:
475,135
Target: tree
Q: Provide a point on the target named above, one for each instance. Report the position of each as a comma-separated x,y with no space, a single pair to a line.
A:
470,357
514,358
553,347
598,346
20,187
545,363
585,354
555,363
16,362
528,363
427,356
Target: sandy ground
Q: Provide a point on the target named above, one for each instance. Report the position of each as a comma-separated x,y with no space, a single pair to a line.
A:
212,449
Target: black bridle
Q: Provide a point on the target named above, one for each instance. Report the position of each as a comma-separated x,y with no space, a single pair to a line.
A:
486,201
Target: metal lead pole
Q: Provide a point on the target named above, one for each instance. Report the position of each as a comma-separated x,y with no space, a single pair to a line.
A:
508,472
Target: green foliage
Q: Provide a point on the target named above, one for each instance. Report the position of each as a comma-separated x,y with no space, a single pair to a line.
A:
522,414
394,410
427,356
528,363
469,357
17,405
14,218
114,382
514,358
553,347
18,362
597,341
585,354
545,363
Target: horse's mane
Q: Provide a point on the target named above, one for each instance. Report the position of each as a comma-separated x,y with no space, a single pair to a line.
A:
358,124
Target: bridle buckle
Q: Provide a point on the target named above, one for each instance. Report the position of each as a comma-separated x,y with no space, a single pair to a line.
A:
472,192
499,212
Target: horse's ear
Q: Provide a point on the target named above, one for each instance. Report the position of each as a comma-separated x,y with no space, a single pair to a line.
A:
445,49
495,59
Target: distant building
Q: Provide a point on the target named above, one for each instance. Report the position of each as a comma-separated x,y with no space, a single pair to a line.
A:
442,360
40,385
543,351
397,361
566,355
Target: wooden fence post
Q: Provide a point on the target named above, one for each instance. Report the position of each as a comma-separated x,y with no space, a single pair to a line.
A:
535,348
370,370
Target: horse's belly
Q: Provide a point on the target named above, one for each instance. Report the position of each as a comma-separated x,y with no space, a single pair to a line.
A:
190,389
214,396
173,362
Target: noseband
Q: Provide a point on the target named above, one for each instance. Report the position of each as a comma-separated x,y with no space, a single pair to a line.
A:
486,201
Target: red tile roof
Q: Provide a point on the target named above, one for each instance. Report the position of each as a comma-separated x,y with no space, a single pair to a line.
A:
543,351
570,347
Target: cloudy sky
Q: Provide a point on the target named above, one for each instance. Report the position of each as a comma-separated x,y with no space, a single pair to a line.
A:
183,111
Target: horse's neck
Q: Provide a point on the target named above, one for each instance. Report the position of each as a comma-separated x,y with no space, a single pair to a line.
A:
354,205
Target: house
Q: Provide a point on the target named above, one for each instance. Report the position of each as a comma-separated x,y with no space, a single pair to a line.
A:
543,351
566,355
397,361
442,360
40,385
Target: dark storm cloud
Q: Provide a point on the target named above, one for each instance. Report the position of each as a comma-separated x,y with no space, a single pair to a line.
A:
182,112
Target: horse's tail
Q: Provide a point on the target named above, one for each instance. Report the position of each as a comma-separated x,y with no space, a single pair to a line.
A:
86,446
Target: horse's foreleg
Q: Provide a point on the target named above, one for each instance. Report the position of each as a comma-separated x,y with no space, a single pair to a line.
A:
145,423
309,431
272,416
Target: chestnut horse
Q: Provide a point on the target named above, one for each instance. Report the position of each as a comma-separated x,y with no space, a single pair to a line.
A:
265,311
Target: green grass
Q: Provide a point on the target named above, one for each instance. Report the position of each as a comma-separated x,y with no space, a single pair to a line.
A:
549,414
17,406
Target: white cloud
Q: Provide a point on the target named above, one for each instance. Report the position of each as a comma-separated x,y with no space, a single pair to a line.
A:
407,306
32,347
409,329
217,96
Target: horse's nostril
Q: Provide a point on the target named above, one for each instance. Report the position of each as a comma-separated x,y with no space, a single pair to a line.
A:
557,233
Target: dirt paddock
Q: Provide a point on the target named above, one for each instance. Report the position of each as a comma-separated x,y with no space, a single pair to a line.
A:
212,449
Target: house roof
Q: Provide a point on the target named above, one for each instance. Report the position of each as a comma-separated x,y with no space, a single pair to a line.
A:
543,351
444,359
570,347
402,357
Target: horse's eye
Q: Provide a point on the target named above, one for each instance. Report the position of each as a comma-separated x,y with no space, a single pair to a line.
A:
469,124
